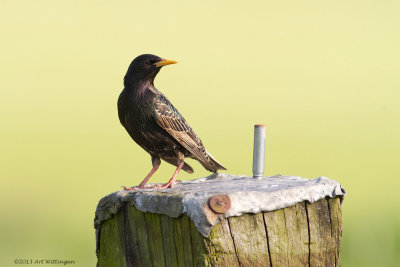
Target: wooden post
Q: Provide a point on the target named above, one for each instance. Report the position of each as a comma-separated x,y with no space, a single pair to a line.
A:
303,234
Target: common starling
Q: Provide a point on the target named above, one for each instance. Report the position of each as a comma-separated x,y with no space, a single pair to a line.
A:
155,124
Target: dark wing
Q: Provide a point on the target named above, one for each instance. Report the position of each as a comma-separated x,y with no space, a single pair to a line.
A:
168,117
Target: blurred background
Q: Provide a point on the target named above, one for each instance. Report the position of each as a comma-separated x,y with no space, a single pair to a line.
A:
322,75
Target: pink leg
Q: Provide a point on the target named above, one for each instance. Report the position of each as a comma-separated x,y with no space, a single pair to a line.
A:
171,182
156,164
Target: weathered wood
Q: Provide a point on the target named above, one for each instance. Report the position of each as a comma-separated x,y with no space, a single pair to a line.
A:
153,223
322,239
179,244
335,211
184,225
301,235
199,251
169,241
220,247
250,239
112,242
288,236
297,229
137,224
132,248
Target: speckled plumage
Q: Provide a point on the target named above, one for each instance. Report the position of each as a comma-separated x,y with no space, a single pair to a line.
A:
154,123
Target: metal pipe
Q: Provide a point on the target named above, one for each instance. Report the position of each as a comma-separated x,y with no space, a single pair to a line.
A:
259,151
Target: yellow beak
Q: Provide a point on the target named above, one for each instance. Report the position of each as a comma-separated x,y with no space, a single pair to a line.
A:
164,62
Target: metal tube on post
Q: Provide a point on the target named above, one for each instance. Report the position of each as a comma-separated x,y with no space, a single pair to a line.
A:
259,151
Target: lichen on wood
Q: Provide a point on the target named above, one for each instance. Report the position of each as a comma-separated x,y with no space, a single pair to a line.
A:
305,234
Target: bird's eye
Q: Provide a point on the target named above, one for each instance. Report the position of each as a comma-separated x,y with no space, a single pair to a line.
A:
150,62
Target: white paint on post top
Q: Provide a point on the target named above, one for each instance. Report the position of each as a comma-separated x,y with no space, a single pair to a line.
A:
246,194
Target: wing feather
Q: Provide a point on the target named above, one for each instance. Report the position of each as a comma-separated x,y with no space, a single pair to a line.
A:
168,117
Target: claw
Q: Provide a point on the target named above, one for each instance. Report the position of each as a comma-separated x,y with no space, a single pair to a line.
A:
170,183
130,188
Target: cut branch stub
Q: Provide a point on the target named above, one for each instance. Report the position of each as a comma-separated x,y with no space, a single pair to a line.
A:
220,203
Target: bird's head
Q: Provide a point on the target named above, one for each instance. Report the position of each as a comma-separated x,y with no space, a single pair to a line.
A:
146,67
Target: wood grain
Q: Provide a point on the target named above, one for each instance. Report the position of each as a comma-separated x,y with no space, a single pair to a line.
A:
306,234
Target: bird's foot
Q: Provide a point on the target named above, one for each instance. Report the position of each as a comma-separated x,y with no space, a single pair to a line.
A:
130,188
170,184
163,186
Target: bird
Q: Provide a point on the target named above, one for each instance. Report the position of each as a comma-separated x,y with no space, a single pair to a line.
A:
156,125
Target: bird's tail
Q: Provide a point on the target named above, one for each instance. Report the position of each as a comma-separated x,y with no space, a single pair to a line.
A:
212,164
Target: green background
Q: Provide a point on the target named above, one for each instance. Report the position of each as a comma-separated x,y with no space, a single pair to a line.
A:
322,75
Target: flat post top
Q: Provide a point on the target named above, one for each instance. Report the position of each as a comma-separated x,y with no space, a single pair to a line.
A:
210,199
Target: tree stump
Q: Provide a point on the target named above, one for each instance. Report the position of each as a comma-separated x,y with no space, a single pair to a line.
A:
223,220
